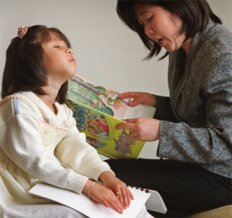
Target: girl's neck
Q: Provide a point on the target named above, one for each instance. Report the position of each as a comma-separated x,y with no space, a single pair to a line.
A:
50,97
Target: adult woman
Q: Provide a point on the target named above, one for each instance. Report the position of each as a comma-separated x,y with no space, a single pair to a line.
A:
194,124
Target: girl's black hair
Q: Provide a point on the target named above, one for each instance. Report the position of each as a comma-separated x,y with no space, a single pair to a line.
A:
24,70
195,15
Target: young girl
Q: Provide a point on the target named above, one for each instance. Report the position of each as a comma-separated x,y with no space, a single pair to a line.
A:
39,140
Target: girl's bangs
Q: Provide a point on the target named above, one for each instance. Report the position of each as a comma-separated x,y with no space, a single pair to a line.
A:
45,36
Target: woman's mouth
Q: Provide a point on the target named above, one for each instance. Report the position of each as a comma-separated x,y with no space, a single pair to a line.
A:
161,42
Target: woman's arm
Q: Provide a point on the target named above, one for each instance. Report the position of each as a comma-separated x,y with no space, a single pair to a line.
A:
211,142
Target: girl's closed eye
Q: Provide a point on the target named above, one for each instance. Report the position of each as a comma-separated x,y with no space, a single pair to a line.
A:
59,45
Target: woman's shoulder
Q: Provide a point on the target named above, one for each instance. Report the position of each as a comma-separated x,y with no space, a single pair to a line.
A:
219,38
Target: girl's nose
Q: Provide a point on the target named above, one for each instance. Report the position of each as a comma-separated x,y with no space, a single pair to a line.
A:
69,51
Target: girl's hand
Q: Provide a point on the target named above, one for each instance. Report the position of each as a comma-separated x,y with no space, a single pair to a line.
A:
145,129
102,195
119,188
136,98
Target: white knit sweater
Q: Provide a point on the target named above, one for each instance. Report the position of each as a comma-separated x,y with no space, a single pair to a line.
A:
38,145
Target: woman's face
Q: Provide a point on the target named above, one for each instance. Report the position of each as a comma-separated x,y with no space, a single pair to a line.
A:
160,26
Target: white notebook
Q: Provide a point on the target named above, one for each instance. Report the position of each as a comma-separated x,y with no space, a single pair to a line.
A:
84,205
156,203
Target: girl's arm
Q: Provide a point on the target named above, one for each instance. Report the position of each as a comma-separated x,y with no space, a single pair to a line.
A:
20,140
78,155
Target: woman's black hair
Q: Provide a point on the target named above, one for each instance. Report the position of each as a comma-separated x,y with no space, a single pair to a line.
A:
195,15
24,70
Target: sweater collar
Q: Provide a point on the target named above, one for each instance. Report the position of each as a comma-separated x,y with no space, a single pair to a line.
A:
45,110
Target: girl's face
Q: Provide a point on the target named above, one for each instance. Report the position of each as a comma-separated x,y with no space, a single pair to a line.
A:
58,60
160,26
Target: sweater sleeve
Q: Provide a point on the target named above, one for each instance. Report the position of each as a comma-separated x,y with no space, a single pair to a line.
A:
21,141
74,152
209,143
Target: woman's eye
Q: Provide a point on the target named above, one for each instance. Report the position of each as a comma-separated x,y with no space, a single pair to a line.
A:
149,18
56,46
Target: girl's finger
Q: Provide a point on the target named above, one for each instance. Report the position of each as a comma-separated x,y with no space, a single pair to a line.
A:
116,204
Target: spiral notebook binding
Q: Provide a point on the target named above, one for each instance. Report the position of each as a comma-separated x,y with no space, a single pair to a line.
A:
155,201
141,189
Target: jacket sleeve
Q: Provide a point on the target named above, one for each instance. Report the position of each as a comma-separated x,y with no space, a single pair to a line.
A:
212,142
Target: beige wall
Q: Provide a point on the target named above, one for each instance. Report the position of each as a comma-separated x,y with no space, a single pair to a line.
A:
107,51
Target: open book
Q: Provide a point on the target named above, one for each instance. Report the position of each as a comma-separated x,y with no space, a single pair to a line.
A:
97,111
84,205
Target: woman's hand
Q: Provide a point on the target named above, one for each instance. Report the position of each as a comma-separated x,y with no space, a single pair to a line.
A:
102,195
136,98
119,188
145,129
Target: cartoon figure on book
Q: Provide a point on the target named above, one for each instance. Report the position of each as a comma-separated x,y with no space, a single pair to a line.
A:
97,97
39,141
194,124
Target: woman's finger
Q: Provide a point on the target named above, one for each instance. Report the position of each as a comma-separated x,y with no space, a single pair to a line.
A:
125,126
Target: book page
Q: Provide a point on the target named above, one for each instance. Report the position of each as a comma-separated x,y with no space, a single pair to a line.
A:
139,111
84,205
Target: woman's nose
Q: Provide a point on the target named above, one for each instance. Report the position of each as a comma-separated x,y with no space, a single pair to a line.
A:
151,34
148,30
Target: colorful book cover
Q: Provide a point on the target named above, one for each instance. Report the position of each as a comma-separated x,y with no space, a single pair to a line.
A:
97,111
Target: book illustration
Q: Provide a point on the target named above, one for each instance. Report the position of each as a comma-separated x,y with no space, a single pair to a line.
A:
123,146
97,111
101,133
97,97
86,206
